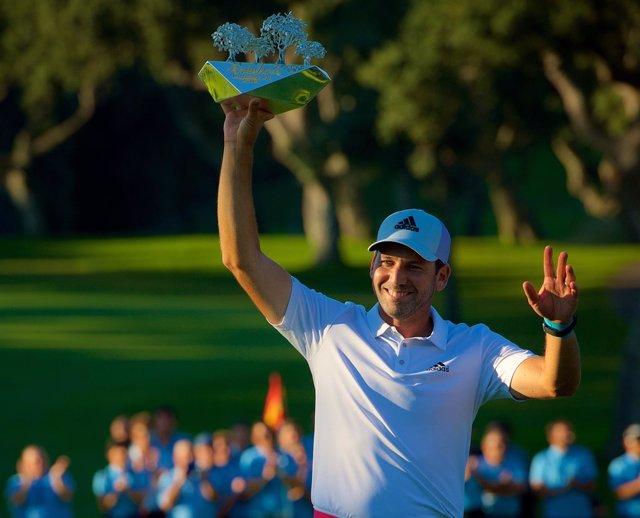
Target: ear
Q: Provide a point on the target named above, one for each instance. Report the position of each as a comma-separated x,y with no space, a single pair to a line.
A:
442,277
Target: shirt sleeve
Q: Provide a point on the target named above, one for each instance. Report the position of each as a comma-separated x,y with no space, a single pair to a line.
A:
616,474
502,358
536,472
308,315
69,482
251,465
13,485
163,485
99,484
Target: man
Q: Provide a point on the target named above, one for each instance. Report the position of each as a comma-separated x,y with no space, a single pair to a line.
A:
564,475
624,474
397,387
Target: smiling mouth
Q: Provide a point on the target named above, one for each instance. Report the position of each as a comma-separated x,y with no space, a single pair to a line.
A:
397,294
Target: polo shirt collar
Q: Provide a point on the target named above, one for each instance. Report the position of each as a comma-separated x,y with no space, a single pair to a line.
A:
439,335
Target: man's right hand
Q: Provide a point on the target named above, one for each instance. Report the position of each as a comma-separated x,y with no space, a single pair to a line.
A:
245,116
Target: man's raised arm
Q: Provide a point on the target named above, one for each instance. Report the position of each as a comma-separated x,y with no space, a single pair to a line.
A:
267,283
557,373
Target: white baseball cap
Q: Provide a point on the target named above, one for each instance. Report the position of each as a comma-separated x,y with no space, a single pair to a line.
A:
632,431
423,233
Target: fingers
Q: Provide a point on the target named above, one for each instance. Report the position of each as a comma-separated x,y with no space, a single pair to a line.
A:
243,105
563,273
548,262
260,109
562,268
571,280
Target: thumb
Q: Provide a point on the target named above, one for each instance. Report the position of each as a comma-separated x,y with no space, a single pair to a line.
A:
530,292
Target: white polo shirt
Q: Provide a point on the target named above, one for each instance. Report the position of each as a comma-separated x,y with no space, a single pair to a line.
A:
393,416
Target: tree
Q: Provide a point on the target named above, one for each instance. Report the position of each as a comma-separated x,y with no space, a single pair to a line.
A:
57,63
475,82
261,47
234,39
309,50
328,145
283,31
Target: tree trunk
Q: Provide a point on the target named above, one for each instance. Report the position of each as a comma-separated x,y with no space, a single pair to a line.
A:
621,153
513,226
318,218
26,147
291,149
15,182
352,220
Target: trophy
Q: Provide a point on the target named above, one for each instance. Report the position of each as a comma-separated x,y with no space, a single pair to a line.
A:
284,86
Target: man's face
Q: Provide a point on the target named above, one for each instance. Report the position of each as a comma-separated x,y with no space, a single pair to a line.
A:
404,282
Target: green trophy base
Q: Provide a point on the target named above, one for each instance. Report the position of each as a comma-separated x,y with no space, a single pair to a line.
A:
284,87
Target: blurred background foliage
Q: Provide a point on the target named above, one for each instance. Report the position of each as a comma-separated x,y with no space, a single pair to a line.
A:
519,119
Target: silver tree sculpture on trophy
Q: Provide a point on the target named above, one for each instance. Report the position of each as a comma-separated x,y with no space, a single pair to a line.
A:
309,50
260,47
283,31
232,38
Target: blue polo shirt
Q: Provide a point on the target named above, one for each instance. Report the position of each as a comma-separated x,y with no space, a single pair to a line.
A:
623,469
502,505
190,502
556,469
104,484
42,501
271,500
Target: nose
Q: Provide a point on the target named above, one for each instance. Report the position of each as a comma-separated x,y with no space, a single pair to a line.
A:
398,275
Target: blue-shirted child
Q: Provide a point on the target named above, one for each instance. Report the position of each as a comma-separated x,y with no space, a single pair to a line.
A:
39,491
624,474
118,489
564,475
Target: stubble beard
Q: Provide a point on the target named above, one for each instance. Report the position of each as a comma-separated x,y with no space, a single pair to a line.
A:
400,309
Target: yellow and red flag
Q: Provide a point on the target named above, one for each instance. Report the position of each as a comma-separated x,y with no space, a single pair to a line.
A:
275,412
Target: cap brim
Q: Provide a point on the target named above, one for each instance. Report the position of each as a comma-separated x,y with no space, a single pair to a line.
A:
425,255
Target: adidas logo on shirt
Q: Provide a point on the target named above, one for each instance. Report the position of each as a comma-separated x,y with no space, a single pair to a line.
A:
407,224
439,367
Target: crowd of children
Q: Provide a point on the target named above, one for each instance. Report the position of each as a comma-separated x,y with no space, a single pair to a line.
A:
502,482
154,471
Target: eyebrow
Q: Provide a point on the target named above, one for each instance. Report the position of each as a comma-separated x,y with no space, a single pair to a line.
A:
417,260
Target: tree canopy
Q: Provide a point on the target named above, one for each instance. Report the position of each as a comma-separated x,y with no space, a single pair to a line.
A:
474,81
465,95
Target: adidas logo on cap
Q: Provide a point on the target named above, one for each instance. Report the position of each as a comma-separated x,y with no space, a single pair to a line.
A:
407,224
414,228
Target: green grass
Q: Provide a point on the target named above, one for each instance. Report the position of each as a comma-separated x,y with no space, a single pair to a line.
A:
96,327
